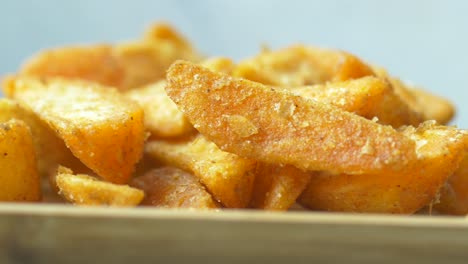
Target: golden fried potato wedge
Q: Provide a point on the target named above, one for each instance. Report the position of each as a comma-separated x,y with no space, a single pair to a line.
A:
81,189
50,149
300,65
431,106
259,122
101,127
93,63
219,64
439,149
18,169
368,97
170,187
228,177
277,187
124,66
162,117
454,195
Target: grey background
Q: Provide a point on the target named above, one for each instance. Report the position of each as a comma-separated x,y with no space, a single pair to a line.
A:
421,41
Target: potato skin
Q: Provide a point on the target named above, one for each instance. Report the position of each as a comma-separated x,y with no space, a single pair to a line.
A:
18,169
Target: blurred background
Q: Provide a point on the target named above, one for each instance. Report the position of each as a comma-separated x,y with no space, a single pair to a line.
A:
422,41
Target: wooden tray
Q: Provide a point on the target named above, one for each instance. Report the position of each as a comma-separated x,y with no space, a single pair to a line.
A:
62,234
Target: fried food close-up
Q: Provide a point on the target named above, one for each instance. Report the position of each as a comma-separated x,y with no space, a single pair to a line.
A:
298,127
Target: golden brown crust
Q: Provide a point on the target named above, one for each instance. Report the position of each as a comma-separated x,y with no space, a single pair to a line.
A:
100,126
278,127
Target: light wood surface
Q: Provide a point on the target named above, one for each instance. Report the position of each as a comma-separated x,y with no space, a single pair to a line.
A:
65,234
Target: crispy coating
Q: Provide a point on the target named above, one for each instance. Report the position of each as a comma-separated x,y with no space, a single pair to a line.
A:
101,127
228,177
368,97
430,106
277,187
81,189
162,117
169,187
124,66
49,148
259,122
454,194
300,65
439,150
18,170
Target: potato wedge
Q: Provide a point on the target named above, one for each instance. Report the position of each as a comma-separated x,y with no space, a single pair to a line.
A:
49,148
454,195
440,150
431,106
162,117
18,169
368,97
219,64
228,177
81,189
277,187
102,129
300,65
170,187
124,66
259,122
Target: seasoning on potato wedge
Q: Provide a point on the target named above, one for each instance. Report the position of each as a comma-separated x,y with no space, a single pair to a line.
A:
370,97
101,127
169,187
256,121
440,150
81,189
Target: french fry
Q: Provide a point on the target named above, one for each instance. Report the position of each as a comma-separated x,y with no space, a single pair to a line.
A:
369,97
277,187
162,117
81,189
454,195
49,148
228,177
124,66
440,151
102,129
18,169
173,188
299,65
259,122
